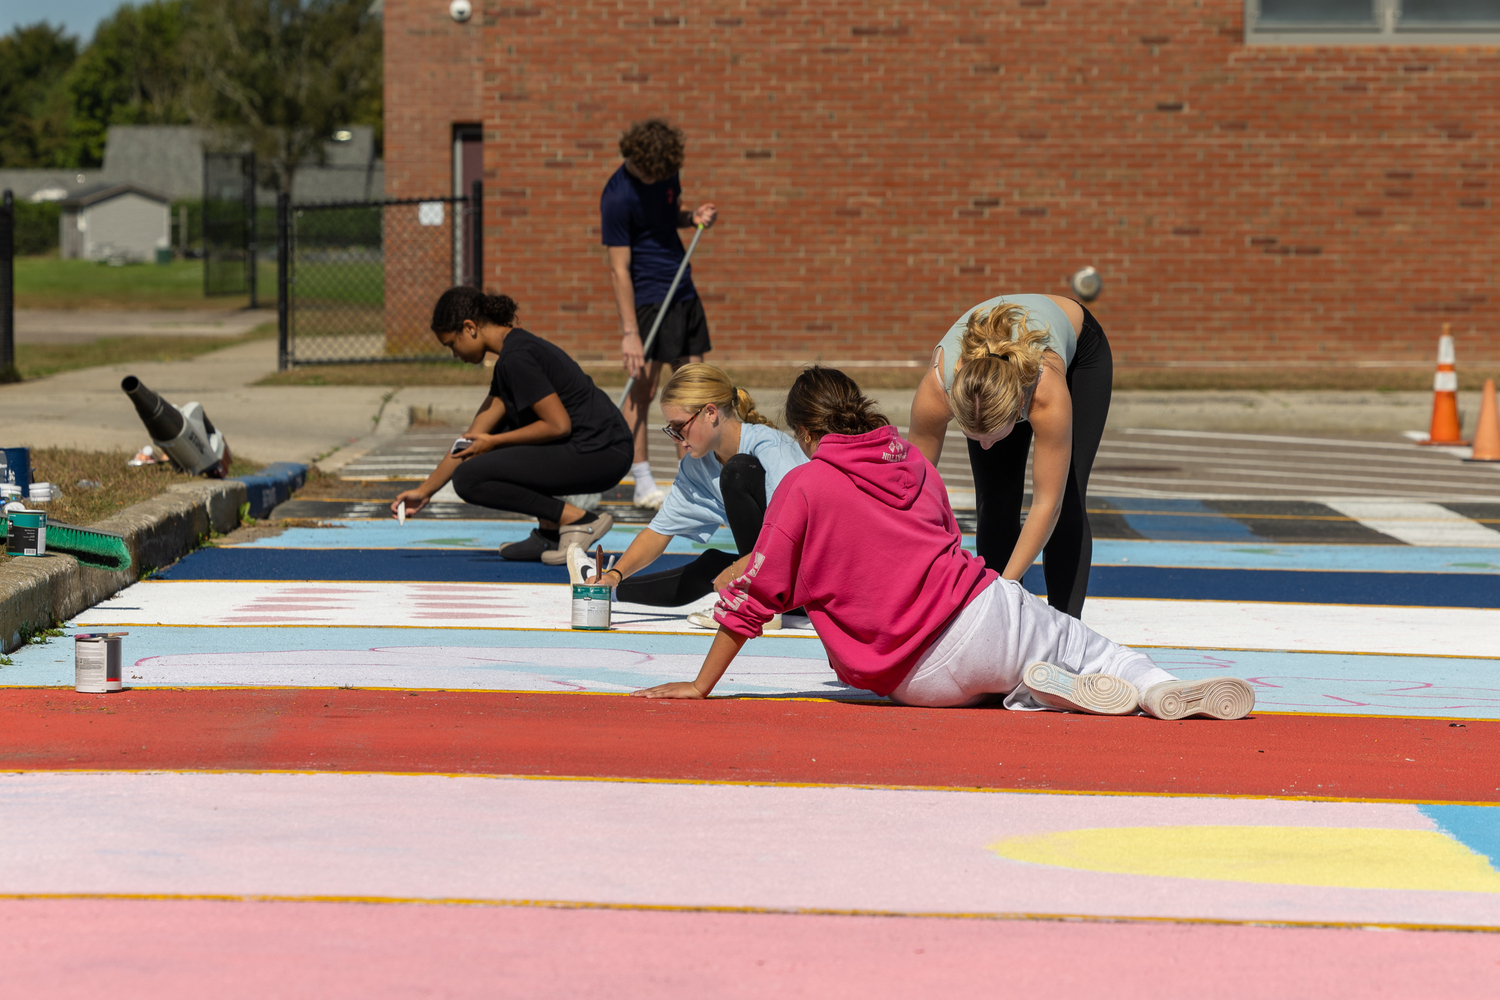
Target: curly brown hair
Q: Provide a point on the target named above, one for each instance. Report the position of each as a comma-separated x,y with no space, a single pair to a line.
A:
655,147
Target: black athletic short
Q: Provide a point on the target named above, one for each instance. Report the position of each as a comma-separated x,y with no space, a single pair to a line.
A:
684,330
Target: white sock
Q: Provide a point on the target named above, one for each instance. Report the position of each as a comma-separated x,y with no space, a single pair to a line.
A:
644,484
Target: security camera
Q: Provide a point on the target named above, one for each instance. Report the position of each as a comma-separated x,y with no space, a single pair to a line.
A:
460,10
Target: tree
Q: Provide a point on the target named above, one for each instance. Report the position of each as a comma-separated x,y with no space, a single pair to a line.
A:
33,104
134,72
280,76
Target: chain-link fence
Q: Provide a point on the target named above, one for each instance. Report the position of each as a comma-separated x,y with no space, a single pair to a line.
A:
229,225
360,278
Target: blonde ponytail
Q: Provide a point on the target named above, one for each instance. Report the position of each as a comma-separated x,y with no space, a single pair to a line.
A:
694,386
1001,361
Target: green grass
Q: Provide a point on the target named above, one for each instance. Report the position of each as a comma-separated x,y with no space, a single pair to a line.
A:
41,360
53,283
360,283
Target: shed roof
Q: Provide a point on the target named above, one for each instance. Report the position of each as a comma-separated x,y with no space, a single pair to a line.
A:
96,193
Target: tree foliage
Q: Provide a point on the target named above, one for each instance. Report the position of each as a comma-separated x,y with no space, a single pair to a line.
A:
276,76
280,76
134,72
33,105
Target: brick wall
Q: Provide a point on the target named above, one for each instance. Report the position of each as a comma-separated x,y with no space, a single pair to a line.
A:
881,166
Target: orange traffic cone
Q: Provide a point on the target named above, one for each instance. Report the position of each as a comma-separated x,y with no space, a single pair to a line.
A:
1445,428
1487,434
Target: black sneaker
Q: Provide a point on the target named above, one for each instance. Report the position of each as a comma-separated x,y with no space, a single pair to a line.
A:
529,550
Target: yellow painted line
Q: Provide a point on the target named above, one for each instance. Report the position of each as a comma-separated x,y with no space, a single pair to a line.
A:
751,783
808,911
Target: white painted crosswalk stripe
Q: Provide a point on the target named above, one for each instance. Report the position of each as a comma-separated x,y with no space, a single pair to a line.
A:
1416,523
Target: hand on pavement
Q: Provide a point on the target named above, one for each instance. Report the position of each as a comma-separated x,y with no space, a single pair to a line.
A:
677,689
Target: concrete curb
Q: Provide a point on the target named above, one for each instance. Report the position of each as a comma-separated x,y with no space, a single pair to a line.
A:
35,593
272,485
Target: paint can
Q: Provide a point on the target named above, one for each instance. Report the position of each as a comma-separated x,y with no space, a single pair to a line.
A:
591,607
96,664
28,533
15,467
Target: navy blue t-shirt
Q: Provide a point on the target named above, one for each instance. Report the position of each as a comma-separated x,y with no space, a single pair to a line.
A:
643,217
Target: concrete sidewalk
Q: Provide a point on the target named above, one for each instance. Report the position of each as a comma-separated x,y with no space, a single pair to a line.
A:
77,326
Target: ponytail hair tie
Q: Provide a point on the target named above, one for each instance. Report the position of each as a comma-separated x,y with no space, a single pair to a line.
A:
992,354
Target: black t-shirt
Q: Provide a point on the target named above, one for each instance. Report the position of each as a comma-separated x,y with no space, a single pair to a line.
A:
529,368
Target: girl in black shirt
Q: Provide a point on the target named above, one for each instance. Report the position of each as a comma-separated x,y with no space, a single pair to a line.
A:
544,430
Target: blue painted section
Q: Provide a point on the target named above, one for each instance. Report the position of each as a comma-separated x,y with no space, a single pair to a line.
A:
1432,590
1233,555
1321,683
371,565
424,533
1476,827
1177,527
273,485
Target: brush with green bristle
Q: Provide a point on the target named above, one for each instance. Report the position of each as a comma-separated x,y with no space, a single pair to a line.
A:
99,549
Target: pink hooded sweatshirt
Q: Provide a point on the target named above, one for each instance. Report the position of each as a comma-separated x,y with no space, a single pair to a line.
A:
864,538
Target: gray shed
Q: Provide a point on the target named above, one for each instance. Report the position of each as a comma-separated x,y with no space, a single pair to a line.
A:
115,222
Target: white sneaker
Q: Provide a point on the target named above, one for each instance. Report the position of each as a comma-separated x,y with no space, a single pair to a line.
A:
1098,694
580,565
705,619
1219,698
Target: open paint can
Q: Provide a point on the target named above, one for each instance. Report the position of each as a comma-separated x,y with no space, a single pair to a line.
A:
96,664
591,606
28,533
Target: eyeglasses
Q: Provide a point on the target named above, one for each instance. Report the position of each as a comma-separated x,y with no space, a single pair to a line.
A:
678,432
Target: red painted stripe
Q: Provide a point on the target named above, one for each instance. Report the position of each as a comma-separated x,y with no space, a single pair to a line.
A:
745,740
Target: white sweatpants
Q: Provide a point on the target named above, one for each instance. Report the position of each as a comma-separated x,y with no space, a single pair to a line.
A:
994,639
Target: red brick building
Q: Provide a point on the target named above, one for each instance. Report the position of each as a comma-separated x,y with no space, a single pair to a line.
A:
881,166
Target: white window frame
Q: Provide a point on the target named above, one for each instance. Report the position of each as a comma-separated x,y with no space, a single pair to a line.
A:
1385,31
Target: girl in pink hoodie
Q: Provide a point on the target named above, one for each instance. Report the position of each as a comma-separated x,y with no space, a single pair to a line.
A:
864,538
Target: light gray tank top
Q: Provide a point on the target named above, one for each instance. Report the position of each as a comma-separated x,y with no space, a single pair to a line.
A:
1041,314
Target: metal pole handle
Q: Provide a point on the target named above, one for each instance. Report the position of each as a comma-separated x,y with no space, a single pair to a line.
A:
660,313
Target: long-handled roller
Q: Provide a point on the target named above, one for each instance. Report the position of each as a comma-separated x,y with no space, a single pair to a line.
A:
660,313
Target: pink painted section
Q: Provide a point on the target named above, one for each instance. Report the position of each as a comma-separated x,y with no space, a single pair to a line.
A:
432,837
63,949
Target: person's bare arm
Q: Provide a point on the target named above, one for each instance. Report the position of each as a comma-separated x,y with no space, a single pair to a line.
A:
721,654
490,413
632,355
930,414
644,549
1051,419
552,424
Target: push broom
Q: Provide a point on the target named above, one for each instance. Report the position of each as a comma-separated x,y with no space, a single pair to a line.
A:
99,549
662,312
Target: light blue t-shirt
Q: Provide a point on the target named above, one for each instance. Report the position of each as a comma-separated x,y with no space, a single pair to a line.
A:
695,506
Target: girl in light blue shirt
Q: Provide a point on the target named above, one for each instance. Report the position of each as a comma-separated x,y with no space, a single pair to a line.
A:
735,460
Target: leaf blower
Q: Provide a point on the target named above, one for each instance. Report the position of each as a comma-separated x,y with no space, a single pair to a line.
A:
184,432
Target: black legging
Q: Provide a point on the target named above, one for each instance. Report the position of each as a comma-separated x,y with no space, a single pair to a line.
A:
1000,479
529,478
743,483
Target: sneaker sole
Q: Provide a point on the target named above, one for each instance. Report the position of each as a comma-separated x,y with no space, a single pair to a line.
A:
1224,698
1097,694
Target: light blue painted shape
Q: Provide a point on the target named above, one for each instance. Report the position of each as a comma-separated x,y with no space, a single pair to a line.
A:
430,534
1476,827
1169,527
1321,683
1232,555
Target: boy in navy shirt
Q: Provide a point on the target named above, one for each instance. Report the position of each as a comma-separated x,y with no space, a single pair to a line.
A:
640,212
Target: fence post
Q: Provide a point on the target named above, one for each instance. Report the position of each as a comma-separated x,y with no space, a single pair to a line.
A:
252,211
477,207
8,288
283,261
